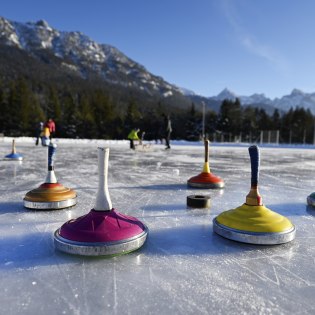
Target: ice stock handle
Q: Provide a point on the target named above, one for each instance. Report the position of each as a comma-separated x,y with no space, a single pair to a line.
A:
254,161
51,156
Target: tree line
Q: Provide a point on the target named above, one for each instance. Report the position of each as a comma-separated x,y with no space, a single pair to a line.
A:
246,123
81,112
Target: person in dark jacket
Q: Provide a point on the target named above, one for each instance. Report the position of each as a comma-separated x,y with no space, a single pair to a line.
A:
167,131
39,130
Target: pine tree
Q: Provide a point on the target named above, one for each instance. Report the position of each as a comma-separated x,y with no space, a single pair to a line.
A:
132,117
193,124
264,121
86,119
36,115
3,108
53,105
104,115
230,117
13,115
25,96
69,124
249,124
211,121
276,120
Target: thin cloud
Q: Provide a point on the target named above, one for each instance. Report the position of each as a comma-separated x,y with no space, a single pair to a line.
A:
262,50
250,42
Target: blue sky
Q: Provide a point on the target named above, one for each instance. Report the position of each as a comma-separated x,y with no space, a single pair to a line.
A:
248,46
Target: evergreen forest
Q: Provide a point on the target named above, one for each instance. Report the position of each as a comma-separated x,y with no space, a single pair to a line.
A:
95,112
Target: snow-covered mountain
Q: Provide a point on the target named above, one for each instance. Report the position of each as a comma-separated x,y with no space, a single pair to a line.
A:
296,98
75,54
224,94
245,100
82,56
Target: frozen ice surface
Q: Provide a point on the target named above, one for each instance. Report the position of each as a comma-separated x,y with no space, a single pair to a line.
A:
184,268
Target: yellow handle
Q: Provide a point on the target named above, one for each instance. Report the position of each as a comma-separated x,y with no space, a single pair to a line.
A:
206,167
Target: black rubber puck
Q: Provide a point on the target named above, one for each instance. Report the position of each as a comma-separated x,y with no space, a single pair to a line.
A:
198,201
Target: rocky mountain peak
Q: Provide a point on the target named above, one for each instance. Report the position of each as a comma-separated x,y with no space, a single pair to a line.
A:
42,23
226,94
85,56
297,92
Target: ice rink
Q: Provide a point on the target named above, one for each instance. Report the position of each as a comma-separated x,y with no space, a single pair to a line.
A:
183,268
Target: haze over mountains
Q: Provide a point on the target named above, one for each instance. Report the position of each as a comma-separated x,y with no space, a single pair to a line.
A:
296,98
73,54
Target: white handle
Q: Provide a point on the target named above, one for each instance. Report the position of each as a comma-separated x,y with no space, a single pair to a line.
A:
13,147
103,202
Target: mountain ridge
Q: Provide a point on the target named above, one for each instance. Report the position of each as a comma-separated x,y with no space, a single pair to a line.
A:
82,55
77,54
297,98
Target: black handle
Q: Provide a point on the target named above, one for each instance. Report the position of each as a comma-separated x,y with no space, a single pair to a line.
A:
206,151
254,161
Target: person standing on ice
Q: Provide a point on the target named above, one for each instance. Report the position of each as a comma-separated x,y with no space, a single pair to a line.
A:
52,128
167,131
133,135
39,130
45,135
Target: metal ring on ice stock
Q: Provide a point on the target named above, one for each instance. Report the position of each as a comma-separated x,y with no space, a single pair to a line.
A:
206,179
103,231
50,195
252,222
